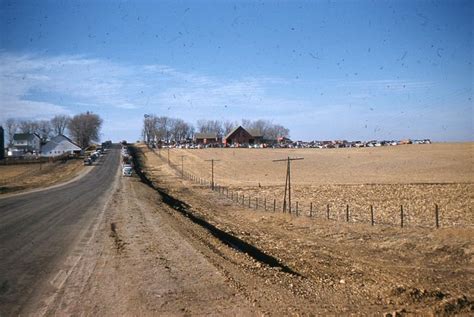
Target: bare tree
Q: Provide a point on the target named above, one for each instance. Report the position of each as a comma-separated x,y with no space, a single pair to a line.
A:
228,126
11,126
210,126
246,123
84,128
277,131
267,129
180,130
162,128
149,128
44,130
59,124
28,126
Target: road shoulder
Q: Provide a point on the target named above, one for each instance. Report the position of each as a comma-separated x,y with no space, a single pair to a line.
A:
135,263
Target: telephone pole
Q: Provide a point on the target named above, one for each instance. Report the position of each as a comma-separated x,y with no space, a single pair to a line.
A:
288,181
182,165
212,171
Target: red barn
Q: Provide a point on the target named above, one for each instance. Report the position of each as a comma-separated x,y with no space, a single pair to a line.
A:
241,136
206,138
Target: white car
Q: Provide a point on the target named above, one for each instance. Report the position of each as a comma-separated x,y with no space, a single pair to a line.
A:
127,171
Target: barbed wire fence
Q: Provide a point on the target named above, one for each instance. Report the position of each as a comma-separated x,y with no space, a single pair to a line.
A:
400,215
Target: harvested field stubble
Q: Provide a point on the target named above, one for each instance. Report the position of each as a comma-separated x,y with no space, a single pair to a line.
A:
417,177
27,176
347,268
418,200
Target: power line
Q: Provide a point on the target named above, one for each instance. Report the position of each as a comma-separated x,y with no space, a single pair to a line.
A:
288,181
212,171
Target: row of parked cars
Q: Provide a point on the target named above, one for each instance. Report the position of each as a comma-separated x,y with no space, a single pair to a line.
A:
127,164
94,156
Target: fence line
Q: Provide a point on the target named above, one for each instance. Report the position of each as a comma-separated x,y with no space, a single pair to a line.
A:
312,212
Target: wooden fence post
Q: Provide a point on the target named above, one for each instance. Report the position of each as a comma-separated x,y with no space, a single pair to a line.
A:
437,215
297,208
274,205
327,210
401,216
249,200
265,203
347,213
311,209
372,215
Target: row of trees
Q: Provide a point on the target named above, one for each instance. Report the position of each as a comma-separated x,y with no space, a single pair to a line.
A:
82,128
157,128
166,128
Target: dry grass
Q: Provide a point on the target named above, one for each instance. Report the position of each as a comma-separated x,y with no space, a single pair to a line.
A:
415,176
21,177
8,172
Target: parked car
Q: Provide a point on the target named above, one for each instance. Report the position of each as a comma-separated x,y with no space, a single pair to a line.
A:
127,171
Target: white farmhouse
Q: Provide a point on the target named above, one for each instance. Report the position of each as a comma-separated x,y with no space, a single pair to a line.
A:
60,145
26,143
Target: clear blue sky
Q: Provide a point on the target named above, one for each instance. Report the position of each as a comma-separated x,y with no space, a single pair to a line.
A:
353,70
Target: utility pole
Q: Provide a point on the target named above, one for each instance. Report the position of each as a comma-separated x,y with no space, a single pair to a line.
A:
212,171
182,165
288,181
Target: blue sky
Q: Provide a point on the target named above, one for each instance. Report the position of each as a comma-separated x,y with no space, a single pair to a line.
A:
353,70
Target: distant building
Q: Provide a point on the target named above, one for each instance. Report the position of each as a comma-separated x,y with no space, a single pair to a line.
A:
206,138
26,143
60,145
2,143
242,136
257,136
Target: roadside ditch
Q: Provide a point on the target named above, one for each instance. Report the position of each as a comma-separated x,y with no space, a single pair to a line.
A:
225,237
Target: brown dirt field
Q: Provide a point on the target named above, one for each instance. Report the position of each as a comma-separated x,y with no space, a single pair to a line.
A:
22,177
344,268
404,164
415,176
